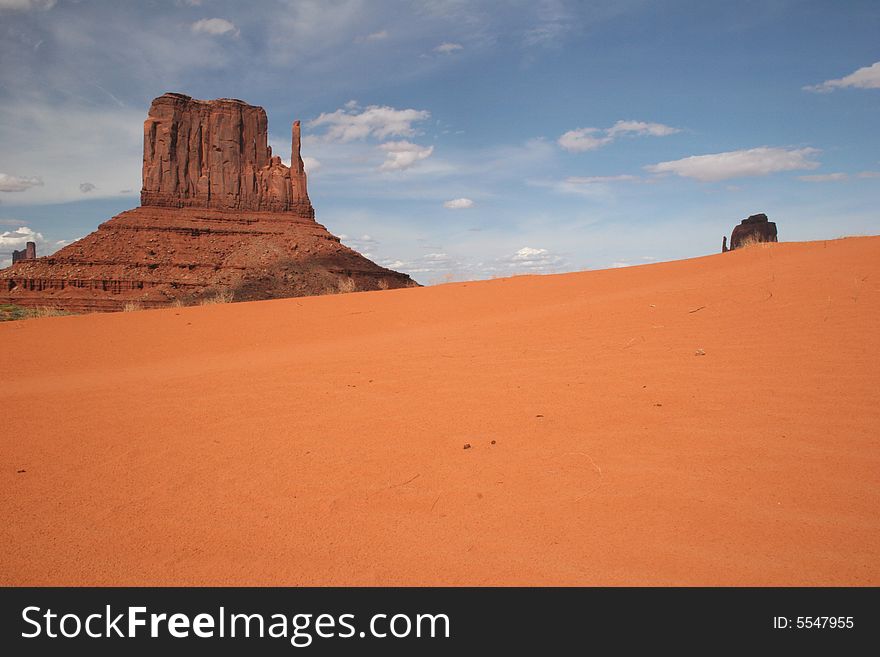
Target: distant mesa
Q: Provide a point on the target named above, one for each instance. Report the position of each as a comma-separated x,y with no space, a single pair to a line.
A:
29,252
755,229
219,215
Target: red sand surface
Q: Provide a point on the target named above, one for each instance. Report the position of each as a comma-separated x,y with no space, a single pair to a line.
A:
321,440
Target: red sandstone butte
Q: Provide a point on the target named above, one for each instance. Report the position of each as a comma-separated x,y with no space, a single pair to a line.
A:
219,214
755,228
215,154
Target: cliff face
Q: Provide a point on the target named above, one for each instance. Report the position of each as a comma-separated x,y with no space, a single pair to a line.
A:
756,228
219,215
214,154
29,252
152,257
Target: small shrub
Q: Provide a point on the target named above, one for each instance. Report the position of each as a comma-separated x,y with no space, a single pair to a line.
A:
46,311
11,311
131,306
346,285
224,296
752,240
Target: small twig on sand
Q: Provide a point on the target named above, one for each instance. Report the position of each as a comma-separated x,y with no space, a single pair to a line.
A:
595,467
404,483
435,502
696,309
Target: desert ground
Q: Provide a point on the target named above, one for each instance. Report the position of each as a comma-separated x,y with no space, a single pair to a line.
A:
712,421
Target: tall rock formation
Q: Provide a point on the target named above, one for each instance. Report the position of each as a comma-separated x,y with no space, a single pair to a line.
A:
214,154
755,228
219,214
29,252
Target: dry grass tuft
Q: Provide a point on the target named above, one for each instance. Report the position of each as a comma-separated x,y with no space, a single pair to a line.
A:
346,285
753,240
225,296
46,311
131,307
11,311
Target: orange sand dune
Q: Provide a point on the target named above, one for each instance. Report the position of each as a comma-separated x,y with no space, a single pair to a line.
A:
321,440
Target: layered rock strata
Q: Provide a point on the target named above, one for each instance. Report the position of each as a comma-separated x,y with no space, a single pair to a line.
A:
214,154
219,216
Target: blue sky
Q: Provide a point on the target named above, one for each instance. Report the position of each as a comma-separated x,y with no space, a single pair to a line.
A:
458,140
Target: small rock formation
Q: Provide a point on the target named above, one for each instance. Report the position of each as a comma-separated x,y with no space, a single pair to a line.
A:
29,252
724,248
754,229
219,215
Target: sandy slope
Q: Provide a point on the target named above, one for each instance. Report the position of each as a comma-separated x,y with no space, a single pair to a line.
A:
320,440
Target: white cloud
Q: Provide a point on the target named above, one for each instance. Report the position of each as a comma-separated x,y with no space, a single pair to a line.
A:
86,187
377,36
429,263
13,239
26,5
869,174
531,259
527,253
448,48
588,139
380,122
739,164
363,244
9,183
583,139
459,204
470,261
215,27
599,180
366,245
867,77
824,177
641,128
436,257
400,155
311,164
